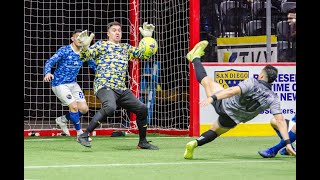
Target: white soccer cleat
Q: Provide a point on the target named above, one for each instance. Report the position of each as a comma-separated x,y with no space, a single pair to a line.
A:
62,122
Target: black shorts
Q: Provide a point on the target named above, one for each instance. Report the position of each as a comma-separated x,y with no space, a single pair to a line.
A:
224,120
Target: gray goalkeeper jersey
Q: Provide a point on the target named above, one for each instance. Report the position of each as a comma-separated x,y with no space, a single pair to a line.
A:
256,96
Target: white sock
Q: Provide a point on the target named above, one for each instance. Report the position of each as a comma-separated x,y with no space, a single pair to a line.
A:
64,119
79,132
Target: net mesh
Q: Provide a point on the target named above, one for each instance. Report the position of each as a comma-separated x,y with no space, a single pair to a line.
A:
48,26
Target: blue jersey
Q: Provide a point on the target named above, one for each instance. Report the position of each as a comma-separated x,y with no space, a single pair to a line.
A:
68,66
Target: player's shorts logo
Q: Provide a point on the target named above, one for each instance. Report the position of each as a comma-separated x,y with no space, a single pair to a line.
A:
230,77
69,96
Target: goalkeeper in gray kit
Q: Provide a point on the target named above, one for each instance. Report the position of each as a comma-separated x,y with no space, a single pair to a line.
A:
112,58
237,104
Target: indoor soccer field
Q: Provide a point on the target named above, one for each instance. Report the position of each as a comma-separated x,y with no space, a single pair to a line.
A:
226,158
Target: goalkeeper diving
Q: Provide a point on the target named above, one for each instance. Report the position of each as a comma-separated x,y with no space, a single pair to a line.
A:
112,58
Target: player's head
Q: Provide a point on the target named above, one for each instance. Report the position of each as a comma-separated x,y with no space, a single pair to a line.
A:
269,73
114,32
74,36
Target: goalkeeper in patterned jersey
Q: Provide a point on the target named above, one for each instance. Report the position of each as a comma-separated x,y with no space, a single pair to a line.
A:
237,104
112,59
280,147
64,82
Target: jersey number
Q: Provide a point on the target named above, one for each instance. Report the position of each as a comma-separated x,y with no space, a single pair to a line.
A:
250,103
81,95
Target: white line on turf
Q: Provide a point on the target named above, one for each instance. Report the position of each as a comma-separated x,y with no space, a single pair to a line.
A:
148,164
63,139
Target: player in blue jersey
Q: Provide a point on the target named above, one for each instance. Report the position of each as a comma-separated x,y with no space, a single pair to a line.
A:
112,58
272,152
64,82
237,104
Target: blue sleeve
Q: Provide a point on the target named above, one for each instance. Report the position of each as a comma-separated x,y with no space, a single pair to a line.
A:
52,61
92,65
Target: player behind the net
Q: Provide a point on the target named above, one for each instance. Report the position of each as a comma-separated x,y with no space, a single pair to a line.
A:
64,82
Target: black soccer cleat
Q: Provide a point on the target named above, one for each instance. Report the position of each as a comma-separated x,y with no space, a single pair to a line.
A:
84,140
147,145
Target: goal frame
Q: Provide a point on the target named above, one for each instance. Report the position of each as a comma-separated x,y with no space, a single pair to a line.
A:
194,35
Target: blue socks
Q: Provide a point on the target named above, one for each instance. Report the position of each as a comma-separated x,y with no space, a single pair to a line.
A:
281,144
75,118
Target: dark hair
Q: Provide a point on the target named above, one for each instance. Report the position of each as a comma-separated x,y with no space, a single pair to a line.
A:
271,72
112,24
76,31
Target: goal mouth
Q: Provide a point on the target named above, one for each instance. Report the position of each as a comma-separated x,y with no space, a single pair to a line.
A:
162,83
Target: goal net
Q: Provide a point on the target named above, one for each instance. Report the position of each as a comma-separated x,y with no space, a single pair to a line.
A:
162,83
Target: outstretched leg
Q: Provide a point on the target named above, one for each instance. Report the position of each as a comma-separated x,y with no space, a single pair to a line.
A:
219,127
194,56
211,87
108,99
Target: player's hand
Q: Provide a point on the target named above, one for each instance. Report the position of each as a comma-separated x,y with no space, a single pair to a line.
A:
48,77
290,150
147,29
206,102
84,39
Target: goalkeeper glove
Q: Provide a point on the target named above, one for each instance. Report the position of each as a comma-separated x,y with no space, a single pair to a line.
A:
147,29
84,39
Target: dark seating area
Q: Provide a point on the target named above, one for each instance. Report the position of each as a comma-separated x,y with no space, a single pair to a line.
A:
239,18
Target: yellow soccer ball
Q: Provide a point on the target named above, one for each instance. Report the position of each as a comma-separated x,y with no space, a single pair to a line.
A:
149,46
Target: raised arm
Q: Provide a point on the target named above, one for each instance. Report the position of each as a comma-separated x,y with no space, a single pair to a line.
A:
86,52
146,31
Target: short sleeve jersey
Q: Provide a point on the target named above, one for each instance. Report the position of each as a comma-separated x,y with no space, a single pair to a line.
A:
256,96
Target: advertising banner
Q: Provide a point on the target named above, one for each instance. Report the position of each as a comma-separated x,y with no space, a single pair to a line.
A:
232,73
246,49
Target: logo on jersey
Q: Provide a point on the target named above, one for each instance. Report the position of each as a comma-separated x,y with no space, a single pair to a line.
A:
69,96
230,77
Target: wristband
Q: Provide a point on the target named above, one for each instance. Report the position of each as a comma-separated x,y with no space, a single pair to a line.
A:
214,97
287,141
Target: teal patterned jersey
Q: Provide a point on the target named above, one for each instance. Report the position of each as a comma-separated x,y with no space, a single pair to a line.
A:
112,63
